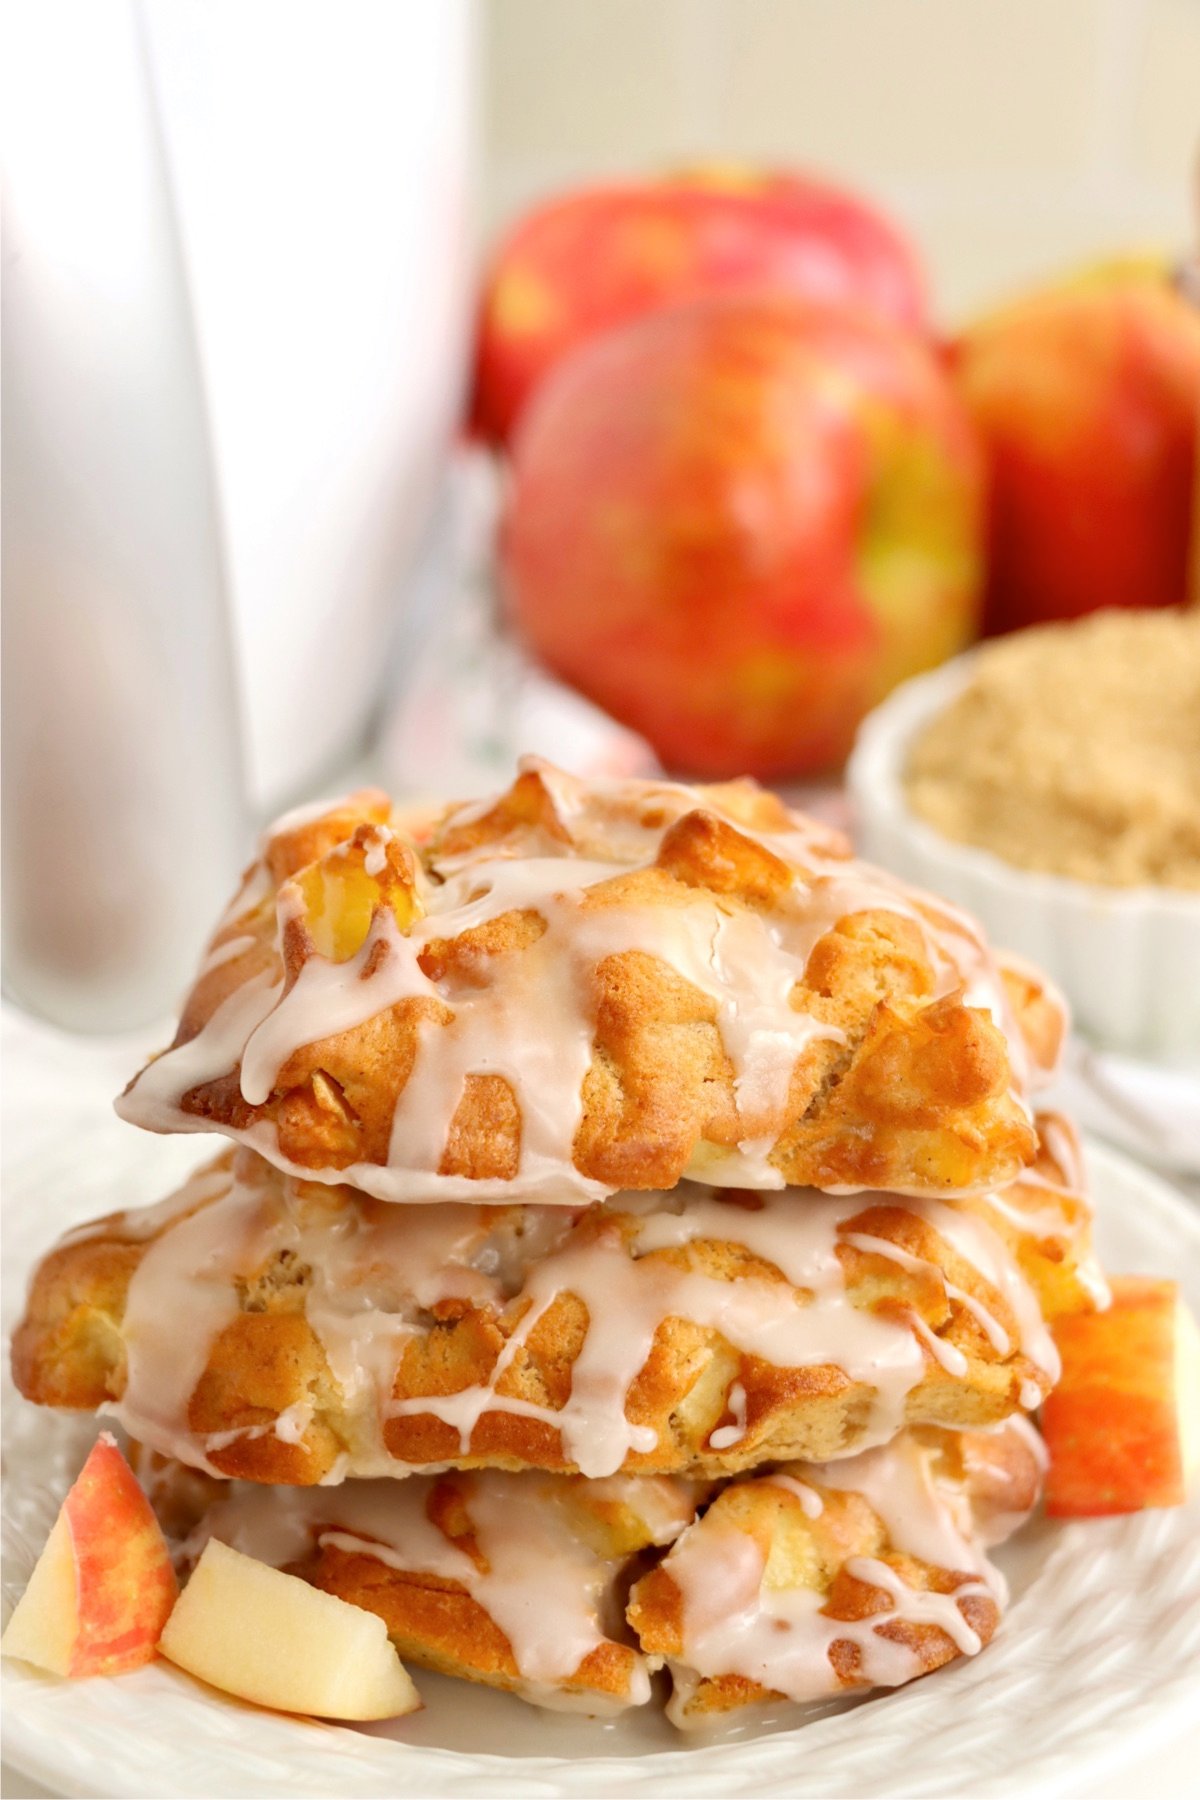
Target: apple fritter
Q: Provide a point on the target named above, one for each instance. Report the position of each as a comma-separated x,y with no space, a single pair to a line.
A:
816,1580
804,1581
516,1582
281,1330
580,988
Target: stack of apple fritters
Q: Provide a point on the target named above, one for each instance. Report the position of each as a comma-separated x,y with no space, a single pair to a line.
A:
650,1185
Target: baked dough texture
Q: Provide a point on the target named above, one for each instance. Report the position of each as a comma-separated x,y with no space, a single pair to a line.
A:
516,1582
282,1330
870,1571
813,1581
653,1188
580,988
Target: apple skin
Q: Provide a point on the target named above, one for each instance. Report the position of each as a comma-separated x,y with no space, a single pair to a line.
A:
601,256
105,1578
1123,1425
1087,398
736,525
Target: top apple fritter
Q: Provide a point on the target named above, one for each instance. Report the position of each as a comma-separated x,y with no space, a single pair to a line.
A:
578,987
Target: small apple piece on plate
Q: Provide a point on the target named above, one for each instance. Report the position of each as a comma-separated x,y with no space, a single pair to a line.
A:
268,1637
103,1587
1123,1425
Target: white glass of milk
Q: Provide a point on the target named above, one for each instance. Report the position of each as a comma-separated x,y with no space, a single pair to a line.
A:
124,803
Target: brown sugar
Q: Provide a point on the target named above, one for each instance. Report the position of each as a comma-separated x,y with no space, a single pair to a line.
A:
1075,749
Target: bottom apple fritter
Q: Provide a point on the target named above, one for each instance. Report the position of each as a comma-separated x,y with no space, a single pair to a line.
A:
800,1583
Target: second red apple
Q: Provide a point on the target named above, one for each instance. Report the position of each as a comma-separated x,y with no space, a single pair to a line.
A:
596,258
737,524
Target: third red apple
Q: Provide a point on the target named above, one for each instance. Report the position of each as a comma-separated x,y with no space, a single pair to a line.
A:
1087,396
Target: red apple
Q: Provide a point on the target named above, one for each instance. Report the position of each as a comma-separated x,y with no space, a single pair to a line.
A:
599,257
1123,1425
737,524
103,1587
1088,400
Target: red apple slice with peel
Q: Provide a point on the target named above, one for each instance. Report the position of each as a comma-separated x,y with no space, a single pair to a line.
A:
103,1587
269,1637
1123,1425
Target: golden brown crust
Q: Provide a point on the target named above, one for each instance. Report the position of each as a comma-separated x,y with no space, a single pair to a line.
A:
445,1562
435,1624
904,1084
67,1349
1040,1011
831,1549
485,1334
1045,1219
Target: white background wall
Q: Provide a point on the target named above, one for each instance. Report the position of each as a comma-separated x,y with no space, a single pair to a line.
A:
1014,136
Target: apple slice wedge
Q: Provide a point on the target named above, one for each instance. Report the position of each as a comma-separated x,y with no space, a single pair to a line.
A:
269,1637
1123,1425
103,1587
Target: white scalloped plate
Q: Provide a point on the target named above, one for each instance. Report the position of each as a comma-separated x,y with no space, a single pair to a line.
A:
1095,1660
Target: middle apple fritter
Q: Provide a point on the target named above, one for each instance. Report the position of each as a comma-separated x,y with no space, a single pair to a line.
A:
280,1330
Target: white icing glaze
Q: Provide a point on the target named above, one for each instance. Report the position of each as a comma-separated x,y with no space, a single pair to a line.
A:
736,1621
546,1588
780,1637
925,1516
726,1436
1049,1221
208,1183
307,813
949,1356
627,1298
255,888
213,1051
997,1521
530,1018
811,1503
1065,1203
991,1326
980,1246
181,1297
375,860
375,1273
1029,1435
371,1276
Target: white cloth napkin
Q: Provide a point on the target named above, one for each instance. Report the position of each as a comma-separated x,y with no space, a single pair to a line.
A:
1154,1113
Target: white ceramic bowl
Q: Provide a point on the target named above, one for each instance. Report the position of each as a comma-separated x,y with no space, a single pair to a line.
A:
1127,959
